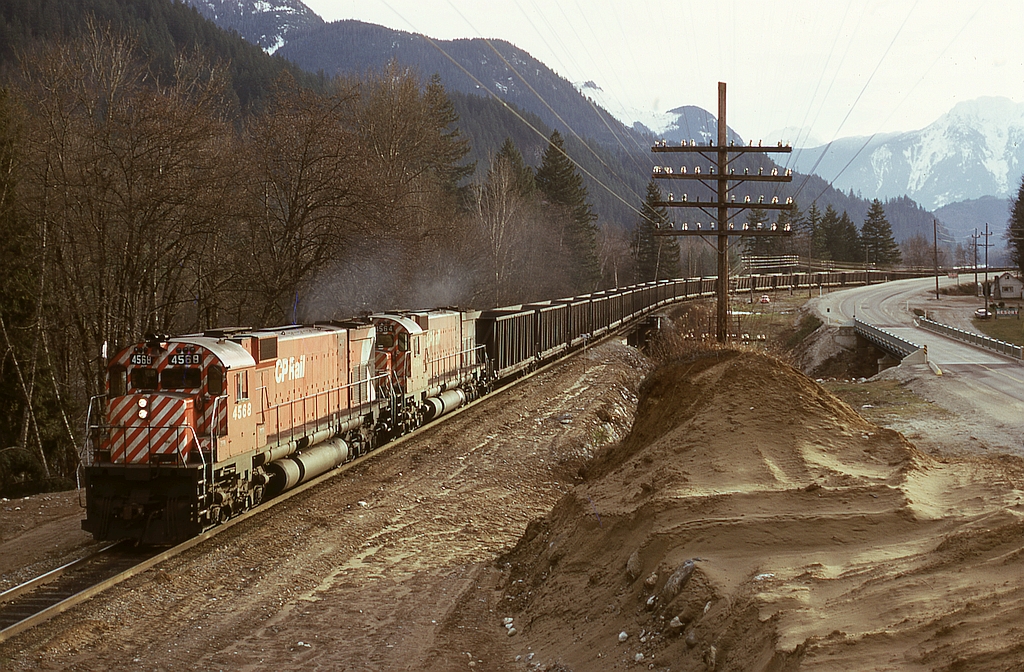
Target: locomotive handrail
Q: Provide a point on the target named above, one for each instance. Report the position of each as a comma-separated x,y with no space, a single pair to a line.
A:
199,449
177,429
88,427
440,374
276,408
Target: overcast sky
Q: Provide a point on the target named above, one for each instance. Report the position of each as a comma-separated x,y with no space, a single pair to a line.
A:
837,68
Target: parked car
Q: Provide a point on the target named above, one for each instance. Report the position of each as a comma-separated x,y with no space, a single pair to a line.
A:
982,314
765,298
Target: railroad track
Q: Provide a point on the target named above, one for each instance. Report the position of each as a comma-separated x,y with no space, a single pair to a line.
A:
44,597
48,594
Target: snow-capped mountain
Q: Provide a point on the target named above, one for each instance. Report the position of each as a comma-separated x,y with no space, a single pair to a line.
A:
267,23
682,123
974,150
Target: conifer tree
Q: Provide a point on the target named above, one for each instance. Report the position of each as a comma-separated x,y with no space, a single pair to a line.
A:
562,186
1015,230
451,146
656,257
758,245
813,232
847,245
876,236
522,174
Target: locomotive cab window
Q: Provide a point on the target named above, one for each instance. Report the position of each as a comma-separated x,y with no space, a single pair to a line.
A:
241,386
180,378
403,342
144,379
118,381
385,341
215,381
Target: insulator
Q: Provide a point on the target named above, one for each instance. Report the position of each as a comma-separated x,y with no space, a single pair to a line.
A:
789,172
684,198
668,170
746,171
775,199
746,199
760,171
760,199
775,171
693,143
682,170
789,200
696,170
670,196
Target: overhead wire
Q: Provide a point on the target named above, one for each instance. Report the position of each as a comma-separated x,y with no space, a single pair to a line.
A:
516,113
920,79
631,135
859,95
558,116
697,61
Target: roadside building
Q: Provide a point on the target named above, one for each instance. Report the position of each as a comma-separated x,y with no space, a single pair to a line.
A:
1006,286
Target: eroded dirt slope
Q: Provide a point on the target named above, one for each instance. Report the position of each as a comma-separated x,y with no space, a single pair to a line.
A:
753,521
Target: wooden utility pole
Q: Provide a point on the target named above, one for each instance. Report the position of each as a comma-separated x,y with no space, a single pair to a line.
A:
725,180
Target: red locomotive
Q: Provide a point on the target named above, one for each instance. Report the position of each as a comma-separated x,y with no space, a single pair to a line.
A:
195,429
201,427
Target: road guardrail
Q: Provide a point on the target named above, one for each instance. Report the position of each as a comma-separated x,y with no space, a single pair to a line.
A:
979,340
889,342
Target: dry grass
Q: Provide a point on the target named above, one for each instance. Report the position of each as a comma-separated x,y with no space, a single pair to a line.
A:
1009,329
881,401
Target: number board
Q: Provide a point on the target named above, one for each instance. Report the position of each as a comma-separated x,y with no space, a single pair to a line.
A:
185,359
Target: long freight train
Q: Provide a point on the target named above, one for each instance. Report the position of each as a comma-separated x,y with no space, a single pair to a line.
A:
195,429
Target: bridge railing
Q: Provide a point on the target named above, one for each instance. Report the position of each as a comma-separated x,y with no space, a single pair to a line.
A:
974,339
889,342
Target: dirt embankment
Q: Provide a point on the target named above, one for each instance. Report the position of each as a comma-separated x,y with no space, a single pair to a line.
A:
753,521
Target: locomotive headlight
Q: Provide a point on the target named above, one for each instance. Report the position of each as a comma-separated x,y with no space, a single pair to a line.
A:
143,403
143,414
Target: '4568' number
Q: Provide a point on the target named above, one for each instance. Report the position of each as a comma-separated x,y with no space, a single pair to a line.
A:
242,411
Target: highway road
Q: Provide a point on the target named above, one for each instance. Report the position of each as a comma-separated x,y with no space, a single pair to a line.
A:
978,385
